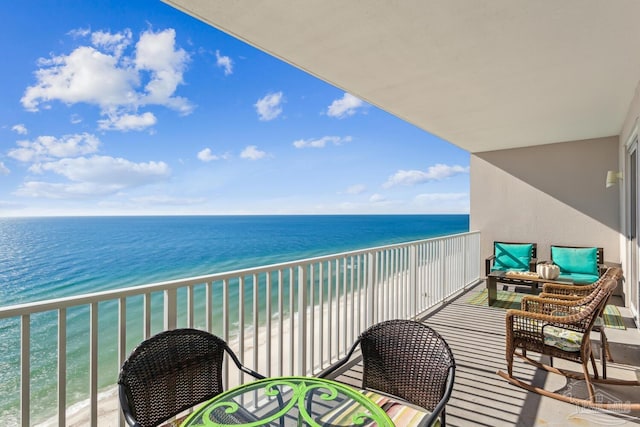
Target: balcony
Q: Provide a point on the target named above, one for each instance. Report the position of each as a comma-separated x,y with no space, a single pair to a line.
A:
292,318
476,335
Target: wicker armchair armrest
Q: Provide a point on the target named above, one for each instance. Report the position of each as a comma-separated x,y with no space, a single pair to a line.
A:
560,296
554,288
534,323
548,306
530,326
546,318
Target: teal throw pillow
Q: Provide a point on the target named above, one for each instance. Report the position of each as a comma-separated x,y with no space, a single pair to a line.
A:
512,256
575,260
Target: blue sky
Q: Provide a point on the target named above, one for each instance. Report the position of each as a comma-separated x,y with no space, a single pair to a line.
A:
135,108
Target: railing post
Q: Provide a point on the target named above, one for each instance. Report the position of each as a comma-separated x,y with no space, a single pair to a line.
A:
190,306
241,320
267,319
413,279
256,319
25,369
122,341
93,364
146,315
62,366
225,323
170,308
443,273
209,306
302,320
466,261
371,290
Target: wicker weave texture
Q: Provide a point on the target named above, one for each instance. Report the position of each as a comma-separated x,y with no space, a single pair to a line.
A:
170,372
407,359
525,327
614,273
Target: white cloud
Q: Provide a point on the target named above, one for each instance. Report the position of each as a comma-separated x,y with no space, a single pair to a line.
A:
3,169
344,107
105,169
49,147
51,190
322,142
80,32
167,200
85,75
377,198
115,43
440,197
156,52
75,119
20,129
269,107
252,153
434,173
225,63
97,175
356,189
119,84
127,122
207,155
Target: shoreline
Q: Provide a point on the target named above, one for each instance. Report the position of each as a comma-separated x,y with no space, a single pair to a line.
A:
108,402
353,314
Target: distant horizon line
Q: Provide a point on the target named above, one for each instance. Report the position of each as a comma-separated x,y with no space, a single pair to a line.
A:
222,215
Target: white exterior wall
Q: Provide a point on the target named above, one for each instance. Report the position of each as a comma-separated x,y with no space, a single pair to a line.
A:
548,194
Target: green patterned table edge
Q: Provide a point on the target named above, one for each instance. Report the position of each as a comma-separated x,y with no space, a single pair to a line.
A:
297,384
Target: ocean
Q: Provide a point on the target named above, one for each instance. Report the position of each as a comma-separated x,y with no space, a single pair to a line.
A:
44,258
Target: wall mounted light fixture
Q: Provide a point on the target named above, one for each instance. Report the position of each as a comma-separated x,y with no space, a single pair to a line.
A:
613,177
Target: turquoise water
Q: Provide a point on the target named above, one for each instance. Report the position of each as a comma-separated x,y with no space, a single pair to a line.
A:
44,258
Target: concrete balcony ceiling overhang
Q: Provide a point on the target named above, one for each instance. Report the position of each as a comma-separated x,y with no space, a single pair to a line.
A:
482,74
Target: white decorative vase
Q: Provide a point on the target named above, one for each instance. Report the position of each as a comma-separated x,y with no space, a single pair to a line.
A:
548,271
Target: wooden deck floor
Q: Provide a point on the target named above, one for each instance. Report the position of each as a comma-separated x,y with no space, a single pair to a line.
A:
481,398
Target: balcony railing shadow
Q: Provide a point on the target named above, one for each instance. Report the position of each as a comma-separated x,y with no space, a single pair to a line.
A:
476,335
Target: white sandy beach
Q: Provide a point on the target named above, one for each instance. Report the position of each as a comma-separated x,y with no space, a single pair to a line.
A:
78,415
108,406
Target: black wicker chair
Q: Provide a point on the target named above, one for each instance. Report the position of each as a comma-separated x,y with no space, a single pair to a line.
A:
171,372
407,359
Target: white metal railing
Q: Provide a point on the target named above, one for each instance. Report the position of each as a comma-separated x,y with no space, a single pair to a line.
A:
293,318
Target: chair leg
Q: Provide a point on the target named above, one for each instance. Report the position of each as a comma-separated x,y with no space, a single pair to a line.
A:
587,379
605,345
510,360
593,365
605,353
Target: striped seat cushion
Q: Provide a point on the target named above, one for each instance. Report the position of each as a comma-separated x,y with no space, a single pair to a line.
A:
400,413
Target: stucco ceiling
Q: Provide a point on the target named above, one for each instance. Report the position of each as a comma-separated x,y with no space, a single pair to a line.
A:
482,74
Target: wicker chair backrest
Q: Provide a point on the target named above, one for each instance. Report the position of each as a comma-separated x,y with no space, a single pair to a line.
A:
612,273
407,359
170,372
586,317
607,289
